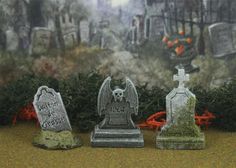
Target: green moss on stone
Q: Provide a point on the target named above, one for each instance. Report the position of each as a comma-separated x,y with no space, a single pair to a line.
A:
181,131
56,140
185,125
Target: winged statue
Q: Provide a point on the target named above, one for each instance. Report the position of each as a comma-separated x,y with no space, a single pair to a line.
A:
117,105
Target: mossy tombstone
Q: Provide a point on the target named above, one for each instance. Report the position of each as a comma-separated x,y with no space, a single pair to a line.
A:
180,130
56,130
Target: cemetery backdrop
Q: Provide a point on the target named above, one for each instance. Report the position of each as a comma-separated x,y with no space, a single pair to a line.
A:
72,45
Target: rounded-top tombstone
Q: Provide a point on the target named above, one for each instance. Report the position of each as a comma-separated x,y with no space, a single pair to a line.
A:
56,130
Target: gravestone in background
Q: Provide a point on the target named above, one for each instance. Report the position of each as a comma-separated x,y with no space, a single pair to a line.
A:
68,30
234,34
156,27
180,130
24,37
222,41
84,31
53,119
12,40
40,40
117,129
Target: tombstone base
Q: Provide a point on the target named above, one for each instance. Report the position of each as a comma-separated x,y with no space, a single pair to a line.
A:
184,143
56,140
124,138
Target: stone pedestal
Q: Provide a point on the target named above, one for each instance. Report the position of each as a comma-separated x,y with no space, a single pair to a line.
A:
117,137
180,130
184,143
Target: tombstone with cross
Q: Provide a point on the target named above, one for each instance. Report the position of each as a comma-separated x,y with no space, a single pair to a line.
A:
181,77
180,130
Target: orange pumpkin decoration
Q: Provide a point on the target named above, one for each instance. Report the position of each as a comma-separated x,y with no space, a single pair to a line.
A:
170,44
165,39
179,50
189,40
182,33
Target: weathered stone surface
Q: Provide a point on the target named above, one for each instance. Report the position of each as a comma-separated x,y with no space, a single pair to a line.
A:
117,129
180,130
50,110
116,138
40,40
69,30
84,31
222,41
56,130
56,140
12,40
181,142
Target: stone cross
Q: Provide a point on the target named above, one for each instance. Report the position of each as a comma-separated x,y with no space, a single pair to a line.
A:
181,77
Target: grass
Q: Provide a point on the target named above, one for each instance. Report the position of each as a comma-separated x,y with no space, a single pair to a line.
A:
16,151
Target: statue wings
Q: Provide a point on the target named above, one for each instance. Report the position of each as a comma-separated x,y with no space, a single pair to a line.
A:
131,95
104,96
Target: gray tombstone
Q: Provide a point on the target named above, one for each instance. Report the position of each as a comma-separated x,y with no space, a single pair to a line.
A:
84,31
117,129
24,37
68,30
12,40
234,34
221,37
156,27
50,110
56,130
180,130
40,40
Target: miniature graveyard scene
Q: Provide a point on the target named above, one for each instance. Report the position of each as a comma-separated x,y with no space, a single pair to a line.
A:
117,129
56,130
71,46
180,130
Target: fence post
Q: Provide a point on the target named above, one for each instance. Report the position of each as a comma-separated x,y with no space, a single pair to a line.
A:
229,10
191,21
170,21
183,20
176,17
201,42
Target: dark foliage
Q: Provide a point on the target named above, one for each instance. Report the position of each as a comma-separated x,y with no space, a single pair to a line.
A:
150,101
79,94
223,104
18,94
203,99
